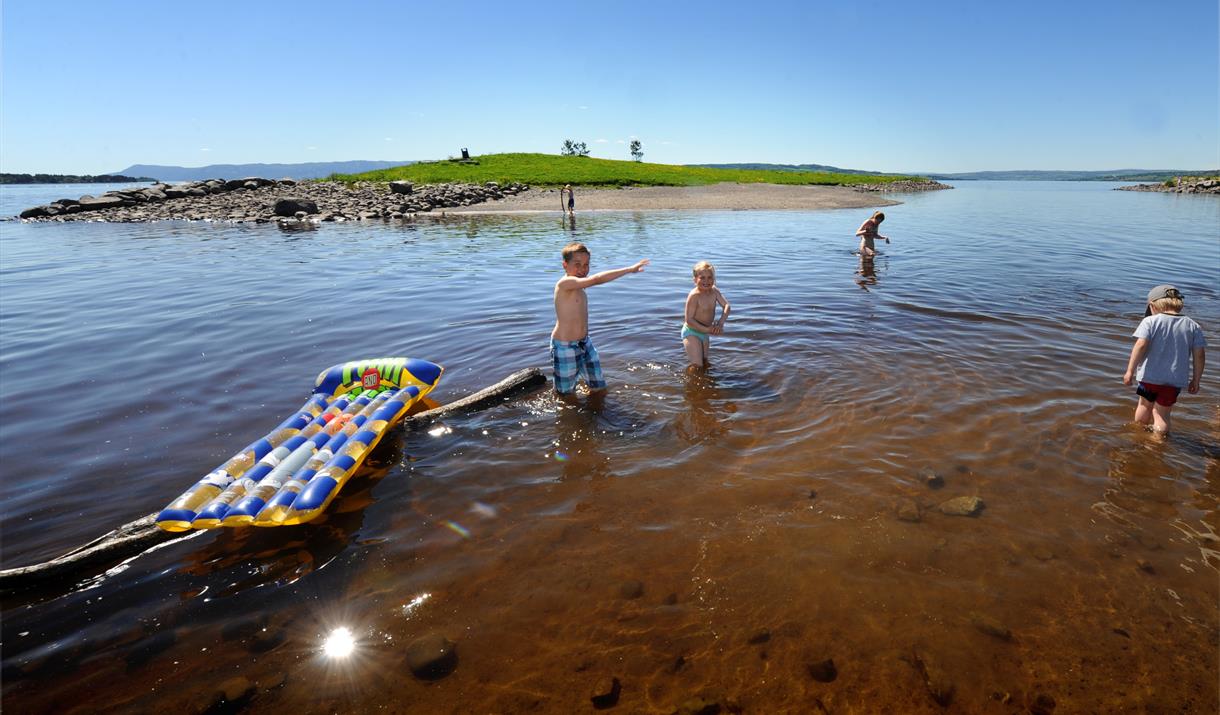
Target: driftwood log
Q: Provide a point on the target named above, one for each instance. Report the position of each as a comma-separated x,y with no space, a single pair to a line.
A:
136,537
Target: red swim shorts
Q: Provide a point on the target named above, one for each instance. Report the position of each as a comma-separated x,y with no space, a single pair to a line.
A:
1164,395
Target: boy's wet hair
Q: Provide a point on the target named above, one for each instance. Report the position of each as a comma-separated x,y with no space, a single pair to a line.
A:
572,249
878,216
703,266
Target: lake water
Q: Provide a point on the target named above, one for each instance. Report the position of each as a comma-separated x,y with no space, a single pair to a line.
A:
715,538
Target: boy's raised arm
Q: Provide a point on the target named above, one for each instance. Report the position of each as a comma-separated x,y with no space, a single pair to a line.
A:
572,282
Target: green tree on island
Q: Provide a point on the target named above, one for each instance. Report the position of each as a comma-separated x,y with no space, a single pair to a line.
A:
637,150
571,148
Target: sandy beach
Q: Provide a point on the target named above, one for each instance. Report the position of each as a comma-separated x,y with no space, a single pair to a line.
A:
734,197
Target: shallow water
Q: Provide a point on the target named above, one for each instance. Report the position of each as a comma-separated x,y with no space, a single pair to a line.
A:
693,537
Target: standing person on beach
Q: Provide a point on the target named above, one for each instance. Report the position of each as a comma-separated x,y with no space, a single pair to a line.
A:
868,233
572,352
571,199
1167,346
701,323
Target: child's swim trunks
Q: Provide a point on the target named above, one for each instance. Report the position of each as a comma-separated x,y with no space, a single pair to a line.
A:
1163,395
572,357
689,332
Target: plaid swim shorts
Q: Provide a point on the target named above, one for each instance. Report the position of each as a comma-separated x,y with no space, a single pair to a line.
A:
572,357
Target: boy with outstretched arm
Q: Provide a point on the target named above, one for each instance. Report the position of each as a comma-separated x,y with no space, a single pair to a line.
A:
572,352
1168,354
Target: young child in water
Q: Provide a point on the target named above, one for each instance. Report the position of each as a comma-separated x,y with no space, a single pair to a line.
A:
701,320
572,352
1167,346
868,233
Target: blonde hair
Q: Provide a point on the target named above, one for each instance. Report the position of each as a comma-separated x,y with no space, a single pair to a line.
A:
703,266
1168,305
572,249
878,216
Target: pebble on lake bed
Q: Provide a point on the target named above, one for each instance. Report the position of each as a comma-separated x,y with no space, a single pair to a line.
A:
431,657
961,506
605,693
823,671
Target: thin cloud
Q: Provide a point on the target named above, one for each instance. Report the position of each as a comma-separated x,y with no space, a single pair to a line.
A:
204,148
582,107
389,139
601,141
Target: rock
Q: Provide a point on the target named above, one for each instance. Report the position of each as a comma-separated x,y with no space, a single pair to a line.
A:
431,657
760,637
931,478
631,589
104,202
1043,704
670,600
823,671
908,510
961,506
402,187
34,212
605,693
289,206
940,687
699,706
990,626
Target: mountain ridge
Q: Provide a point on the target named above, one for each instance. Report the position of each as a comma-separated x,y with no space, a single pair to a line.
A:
307,170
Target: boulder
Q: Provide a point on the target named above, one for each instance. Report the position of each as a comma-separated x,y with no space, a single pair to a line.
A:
35,212
290,205
104,202
402,187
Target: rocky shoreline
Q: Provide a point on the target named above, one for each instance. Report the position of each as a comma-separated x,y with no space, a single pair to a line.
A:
259,200
1180,185
903,186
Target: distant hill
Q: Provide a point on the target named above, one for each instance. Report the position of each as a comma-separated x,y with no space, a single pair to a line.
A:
552,170
789,167
1111,175
68,179
309,170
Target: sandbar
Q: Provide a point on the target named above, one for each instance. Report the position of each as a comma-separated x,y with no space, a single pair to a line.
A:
730,197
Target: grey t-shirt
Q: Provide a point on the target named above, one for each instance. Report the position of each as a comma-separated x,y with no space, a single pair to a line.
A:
1171,339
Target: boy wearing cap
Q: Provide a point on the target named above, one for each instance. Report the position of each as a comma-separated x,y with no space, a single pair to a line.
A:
1168,355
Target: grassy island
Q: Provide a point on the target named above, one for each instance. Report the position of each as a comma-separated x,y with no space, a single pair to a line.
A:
544,170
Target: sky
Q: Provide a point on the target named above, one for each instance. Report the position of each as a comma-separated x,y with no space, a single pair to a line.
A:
897,86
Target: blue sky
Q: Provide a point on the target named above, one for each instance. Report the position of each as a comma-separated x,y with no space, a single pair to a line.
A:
92,87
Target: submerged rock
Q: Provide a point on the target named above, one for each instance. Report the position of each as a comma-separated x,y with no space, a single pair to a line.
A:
990,626
961,506
431,657
823,671
606,692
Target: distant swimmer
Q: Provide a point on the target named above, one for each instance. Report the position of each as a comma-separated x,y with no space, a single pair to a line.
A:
868,233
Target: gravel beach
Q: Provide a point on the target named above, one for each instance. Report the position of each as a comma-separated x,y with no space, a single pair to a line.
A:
734,197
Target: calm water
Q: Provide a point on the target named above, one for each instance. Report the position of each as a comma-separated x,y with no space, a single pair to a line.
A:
694,537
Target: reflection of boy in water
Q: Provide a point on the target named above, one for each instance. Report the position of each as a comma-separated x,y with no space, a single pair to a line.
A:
1166,345
868,233
701,320
572,352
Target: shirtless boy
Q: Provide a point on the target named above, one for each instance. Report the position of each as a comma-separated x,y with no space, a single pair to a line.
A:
701,320
572,352
868,233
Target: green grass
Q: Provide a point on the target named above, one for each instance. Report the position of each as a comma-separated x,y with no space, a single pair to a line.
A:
553,170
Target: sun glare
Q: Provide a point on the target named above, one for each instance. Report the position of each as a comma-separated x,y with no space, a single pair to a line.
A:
339,644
